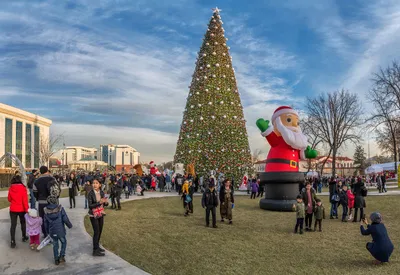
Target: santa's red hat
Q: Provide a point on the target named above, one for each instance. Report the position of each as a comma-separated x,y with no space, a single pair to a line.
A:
151,162
283,110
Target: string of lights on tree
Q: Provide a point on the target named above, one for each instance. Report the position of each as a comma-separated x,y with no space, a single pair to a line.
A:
213,132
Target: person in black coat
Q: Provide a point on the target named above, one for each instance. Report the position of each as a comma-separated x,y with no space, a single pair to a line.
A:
383,178
73,189
344,202
209,201
333,193
359,201
161,182
97,201
381,246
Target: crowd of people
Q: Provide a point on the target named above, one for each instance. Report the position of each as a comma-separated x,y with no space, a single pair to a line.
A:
377,180
349,195
41,213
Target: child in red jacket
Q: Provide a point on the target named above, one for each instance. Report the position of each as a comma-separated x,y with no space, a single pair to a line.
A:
18,198
350,199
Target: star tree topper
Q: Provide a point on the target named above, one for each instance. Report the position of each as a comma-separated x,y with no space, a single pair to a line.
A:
216,10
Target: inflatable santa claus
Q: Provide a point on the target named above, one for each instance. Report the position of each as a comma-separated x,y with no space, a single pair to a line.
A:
281,179
153,168
288,143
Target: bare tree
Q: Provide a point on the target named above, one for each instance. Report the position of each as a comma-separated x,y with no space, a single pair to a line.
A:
48,147
314,139
255,156
337,119
385,118
387,81
387,142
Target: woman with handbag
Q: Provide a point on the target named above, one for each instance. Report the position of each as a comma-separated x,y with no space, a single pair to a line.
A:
186,197
359,191
73,189
97,201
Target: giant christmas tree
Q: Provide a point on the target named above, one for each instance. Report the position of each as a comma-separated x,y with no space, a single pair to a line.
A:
213,132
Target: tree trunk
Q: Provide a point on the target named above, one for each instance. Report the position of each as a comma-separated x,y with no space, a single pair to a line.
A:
334,162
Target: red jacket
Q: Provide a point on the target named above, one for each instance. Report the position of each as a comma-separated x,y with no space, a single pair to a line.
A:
350,199
18,198
281,150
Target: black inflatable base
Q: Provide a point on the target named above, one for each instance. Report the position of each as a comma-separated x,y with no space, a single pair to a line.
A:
281,190
277,205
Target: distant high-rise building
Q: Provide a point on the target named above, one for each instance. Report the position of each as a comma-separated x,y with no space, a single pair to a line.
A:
122,157
75,153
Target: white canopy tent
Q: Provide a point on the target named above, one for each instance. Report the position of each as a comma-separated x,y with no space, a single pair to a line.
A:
381,167
312,174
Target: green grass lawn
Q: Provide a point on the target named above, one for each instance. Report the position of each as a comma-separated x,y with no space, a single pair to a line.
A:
64,193
4,203
154,235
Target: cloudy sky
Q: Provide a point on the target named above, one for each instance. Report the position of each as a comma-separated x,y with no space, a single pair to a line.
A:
118,71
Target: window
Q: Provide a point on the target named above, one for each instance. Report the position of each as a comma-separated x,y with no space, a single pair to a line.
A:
37,147
8,140
131,158
123,158
18,140
28,146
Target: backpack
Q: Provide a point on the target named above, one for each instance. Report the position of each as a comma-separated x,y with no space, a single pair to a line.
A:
179,181
335,198
364,191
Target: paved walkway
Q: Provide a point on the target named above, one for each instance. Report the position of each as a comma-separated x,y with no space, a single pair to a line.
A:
22,260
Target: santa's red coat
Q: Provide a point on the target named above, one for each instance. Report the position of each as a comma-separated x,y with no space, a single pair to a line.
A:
153,170
281,151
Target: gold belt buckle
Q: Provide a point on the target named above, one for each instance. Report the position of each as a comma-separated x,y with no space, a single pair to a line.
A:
293,164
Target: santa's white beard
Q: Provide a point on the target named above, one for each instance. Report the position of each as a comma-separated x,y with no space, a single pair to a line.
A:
295,139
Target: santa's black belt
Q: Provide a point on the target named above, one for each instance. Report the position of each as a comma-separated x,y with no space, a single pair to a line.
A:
292,163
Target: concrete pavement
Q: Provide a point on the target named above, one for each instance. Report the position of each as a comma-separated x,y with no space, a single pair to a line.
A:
22,260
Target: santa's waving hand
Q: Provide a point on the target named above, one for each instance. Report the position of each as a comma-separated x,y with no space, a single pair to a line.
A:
288,143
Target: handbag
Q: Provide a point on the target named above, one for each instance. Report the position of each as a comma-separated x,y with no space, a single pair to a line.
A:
98,212
45,242
188,199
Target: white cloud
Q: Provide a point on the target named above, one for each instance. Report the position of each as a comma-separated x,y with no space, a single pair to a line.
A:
152,144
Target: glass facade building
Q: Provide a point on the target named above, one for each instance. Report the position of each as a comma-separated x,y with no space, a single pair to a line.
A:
8,140
28,146
18,140
36,147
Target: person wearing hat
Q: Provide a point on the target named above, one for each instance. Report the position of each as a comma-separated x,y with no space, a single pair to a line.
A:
34,227
55,219
209,202
381,246
287,141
